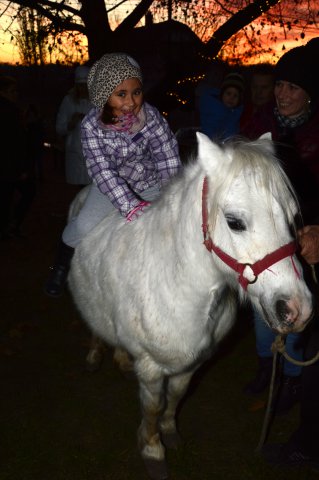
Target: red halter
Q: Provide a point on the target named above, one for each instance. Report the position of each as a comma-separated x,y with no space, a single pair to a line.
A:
258,267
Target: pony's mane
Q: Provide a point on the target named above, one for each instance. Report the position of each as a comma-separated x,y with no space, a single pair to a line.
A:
258,158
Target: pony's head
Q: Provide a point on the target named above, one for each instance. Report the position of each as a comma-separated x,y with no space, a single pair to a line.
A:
249,212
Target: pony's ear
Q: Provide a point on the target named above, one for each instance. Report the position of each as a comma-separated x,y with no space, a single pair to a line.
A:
210,155
266,136
267,141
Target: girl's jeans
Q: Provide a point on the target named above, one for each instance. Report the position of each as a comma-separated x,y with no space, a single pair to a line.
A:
96,207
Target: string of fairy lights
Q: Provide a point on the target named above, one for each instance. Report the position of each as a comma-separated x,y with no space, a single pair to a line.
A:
197,78
193,79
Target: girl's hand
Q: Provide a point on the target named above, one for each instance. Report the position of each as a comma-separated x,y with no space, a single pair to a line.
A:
136,212
309,243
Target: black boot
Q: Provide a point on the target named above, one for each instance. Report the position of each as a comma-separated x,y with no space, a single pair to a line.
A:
55,284
262,379
289,393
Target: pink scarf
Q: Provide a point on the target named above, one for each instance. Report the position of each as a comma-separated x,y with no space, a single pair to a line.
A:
129,122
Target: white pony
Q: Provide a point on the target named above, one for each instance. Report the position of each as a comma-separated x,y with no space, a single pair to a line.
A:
163,290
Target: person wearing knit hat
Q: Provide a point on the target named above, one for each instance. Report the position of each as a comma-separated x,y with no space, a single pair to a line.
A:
293,121
295,68
220,109
232,90
130,151
297,84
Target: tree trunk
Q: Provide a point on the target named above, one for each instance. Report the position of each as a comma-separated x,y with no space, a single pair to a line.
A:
98,30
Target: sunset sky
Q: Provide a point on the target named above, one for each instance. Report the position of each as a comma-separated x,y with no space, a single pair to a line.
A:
9,52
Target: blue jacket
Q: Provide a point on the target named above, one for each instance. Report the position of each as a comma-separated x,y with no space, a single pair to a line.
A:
216,120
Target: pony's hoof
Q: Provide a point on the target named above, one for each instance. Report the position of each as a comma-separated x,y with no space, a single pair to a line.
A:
171,440
156,469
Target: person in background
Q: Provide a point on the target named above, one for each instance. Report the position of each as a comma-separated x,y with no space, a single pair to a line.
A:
262,83
302,448
220,109
75,105
293,120
130,150
17,183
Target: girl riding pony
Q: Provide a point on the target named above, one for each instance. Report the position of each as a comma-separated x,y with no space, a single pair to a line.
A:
130,153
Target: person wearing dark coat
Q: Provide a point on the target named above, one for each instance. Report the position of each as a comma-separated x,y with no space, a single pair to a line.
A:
293,120
302,448
15,175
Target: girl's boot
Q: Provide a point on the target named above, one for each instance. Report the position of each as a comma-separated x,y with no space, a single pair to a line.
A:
56,281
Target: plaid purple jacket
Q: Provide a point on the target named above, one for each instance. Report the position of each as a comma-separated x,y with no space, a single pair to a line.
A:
123,165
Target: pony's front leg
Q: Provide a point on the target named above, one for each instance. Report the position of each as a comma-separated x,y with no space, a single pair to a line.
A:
175,390
149,442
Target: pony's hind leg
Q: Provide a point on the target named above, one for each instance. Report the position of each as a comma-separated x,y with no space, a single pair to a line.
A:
124,361
175,390
149,442
96,354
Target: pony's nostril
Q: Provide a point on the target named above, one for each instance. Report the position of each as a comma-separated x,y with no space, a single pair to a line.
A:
282,310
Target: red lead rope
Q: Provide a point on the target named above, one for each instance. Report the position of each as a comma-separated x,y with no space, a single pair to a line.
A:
258,267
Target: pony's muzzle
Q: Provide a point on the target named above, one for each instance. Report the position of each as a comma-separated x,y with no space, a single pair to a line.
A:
292,315
288,315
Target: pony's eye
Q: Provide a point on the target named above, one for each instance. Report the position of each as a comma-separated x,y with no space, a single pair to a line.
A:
235,224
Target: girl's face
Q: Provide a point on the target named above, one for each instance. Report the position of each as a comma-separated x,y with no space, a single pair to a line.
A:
291,100
126,98
231,97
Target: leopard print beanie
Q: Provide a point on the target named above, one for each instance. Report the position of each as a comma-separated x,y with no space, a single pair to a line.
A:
107,73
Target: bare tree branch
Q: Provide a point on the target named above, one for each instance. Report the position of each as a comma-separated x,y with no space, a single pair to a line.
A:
49,9
225,19
236,23
131,20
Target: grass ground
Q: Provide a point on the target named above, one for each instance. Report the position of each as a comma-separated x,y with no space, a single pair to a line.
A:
59,422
